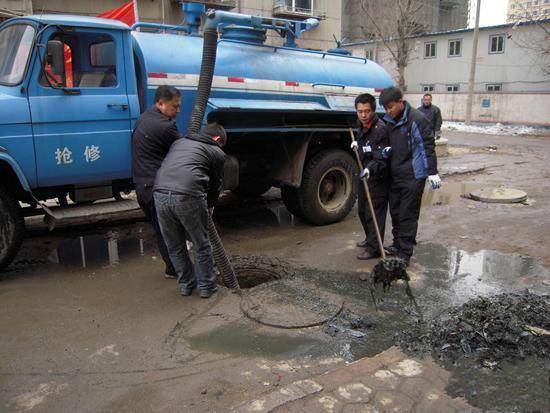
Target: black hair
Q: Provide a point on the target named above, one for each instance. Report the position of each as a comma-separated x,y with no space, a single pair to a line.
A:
366,98
390,94
166,93
215,129
427,94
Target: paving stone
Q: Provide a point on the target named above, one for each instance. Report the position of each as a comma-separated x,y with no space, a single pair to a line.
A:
393,402
407,368
292,392
332,379
325,403
360,408
354,392
419,388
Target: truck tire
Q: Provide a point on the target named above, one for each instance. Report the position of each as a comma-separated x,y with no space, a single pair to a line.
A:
12,228
328,189
290,199
252,187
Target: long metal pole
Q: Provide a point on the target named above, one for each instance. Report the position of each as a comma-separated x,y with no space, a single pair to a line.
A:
471,82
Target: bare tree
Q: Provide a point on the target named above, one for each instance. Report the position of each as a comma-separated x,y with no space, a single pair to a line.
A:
537,41
393,24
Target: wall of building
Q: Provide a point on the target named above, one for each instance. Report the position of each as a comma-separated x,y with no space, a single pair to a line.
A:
530,9
517,69
512,108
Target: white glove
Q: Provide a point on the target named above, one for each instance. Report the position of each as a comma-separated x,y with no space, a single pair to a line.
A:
365,173
354,146
435,181
437,135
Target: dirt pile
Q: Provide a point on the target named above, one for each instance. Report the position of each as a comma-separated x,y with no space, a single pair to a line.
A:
505,326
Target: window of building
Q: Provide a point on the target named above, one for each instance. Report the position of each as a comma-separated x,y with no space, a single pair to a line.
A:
455,47
300,5
493,87
429,50
452,88
369,54
428,88
496,43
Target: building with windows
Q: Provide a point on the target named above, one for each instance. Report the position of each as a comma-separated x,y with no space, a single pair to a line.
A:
170,12
528,10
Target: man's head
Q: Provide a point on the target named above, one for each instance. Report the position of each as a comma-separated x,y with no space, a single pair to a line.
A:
427,100
167,100
392,100
365,106
216,132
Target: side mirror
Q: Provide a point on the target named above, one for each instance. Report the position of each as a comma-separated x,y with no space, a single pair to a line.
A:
55,57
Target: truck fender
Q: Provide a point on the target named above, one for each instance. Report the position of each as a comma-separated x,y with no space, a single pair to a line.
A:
289,163
4,157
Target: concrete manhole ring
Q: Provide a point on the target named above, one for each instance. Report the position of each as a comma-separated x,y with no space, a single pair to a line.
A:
253,270
498,195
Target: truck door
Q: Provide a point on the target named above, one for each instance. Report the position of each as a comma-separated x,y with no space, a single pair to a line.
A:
81,121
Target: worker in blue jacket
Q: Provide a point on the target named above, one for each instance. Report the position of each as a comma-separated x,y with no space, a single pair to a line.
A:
372,145
412,160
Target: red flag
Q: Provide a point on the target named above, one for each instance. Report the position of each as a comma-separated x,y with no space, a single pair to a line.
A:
124,13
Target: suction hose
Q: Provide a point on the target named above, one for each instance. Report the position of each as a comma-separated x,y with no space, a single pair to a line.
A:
195,121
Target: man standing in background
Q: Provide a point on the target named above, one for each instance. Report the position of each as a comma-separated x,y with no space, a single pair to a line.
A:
432,113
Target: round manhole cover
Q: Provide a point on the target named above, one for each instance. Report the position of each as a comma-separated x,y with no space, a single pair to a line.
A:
499,195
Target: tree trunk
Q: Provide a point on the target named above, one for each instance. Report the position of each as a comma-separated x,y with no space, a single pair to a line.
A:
401,80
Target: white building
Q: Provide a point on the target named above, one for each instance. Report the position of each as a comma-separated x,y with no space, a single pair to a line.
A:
513,71
531,9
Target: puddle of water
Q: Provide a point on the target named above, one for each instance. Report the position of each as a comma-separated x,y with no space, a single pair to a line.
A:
272,216
239,339
518,386
449,192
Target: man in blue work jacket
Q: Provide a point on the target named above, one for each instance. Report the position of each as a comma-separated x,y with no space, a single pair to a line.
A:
412,160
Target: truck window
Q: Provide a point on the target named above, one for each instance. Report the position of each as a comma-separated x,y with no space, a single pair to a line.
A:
90,61
15,49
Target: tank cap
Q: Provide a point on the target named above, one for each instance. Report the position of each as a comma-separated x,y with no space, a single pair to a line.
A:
339,50
244,34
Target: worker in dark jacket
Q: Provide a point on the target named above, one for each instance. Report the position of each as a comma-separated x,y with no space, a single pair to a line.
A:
373,147
412,160
433,114
153,134
186,190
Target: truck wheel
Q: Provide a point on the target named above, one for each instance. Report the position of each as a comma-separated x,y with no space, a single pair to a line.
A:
252,187
12,228
290,199
328,189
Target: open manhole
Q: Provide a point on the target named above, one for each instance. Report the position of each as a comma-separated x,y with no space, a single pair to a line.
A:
253,270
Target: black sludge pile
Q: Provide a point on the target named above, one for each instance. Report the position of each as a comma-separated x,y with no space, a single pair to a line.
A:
506,326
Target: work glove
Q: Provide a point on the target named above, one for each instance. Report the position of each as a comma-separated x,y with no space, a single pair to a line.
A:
386,152
365,173
354,146
437,134
435,181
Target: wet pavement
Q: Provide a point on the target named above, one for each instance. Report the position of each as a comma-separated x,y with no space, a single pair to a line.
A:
89,323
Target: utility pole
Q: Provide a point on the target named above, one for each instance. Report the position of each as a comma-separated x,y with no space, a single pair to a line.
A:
471,82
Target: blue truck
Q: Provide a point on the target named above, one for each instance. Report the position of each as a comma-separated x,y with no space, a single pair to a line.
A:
71,88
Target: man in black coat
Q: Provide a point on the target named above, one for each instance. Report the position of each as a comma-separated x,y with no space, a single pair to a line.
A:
154,133
432,113
412,160
373,147
186,190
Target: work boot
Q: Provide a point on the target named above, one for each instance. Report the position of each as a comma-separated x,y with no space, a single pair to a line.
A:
186,292
361,244
367,255
208,293
170,276
391,250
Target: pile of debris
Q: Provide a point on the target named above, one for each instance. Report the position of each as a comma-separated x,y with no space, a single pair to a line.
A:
506,326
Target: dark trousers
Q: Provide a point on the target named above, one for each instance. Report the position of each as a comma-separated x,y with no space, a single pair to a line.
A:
379,192
182,216
147,204
405,201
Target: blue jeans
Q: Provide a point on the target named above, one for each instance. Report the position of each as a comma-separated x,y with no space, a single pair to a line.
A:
180,217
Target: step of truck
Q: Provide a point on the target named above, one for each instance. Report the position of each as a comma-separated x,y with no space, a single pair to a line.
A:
82,214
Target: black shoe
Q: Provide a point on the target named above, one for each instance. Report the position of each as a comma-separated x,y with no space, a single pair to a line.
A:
391,250
186,292
366,255
170,276
208,293
361,244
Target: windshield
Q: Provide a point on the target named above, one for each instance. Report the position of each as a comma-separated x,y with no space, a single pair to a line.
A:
15,48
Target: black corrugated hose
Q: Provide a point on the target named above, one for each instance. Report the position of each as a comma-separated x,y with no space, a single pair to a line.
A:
210,44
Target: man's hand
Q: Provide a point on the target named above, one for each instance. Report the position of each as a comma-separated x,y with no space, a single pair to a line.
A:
437,134
435,181
386,152
365,173
354,146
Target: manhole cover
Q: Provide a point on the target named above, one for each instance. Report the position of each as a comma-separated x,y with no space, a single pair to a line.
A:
498,195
